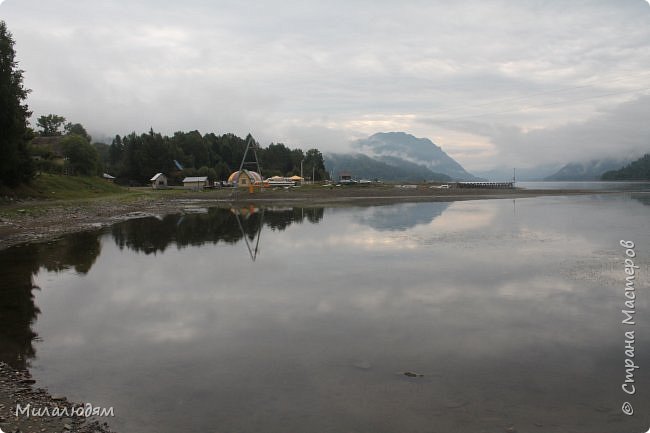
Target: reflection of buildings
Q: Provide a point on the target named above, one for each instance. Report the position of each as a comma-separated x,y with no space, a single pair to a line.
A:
18,311
152,235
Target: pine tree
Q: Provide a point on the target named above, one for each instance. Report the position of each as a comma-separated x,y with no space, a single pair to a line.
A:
15,162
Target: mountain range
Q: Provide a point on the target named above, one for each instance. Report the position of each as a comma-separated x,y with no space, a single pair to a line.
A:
397,156
502,173
585,171
573,171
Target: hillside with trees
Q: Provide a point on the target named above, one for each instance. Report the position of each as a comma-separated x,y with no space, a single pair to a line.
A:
586,170
62,148
135,158
363,166
637,170
65,148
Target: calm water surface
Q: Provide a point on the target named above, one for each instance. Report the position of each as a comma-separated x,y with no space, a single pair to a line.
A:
589,185
305,320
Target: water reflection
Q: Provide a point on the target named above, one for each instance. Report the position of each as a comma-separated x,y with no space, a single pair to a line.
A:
18,313
512,318
78,252
245,214
402,217
642,198
155,235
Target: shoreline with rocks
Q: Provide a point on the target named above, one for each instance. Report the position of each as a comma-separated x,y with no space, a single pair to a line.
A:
19,399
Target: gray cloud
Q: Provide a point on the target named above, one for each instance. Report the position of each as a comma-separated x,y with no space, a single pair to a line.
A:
322,74
621,131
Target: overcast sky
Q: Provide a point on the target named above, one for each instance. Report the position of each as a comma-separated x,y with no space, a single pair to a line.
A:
493,83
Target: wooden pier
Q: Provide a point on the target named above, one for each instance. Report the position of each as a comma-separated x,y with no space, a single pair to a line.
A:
486,185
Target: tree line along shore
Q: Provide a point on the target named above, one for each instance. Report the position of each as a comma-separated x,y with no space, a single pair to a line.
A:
57,146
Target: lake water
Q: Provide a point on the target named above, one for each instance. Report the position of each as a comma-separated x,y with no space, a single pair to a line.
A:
305,320
588,185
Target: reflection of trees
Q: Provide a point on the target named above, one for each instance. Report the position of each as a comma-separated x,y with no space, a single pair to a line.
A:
78,251
280,219
18,311
151,235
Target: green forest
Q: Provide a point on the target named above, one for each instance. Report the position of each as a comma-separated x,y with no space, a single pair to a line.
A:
62,147
637,170
137,157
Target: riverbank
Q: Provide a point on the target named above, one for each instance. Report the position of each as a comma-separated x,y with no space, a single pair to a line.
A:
38,220
18,394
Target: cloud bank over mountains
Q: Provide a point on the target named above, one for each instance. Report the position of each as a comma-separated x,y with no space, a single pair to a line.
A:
491,82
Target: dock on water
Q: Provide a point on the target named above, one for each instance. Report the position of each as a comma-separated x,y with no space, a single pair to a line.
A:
486,185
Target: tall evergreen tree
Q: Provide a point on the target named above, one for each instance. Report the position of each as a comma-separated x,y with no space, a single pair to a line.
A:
15,163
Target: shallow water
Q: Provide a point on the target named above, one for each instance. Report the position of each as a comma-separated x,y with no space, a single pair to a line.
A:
305,320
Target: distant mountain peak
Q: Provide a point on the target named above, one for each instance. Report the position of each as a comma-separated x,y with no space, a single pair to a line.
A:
385,146
401,139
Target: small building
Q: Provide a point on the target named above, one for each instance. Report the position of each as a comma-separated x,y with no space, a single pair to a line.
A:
346,179
245,178
196,182
158,181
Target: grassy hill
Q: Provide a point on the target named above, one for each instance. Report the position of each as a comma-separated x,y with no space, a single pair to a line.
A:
54,186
